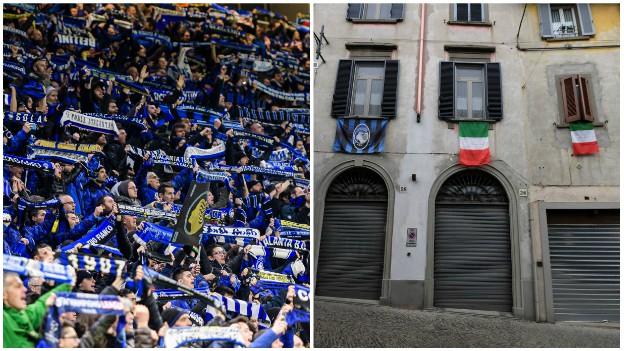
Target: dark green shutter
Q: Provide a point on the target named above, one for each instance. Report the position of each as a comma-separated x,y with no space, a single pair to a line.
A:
545,21
446,100
354,11
391,80
396,12
494,92
342,90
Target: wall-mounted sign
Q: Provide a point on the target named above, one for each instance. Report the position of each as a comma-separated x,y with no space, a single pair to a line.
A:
524,192
402,188
411,237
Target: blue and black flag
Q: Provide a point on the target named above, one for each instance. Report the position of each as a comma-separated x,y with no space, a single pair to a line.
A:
360,136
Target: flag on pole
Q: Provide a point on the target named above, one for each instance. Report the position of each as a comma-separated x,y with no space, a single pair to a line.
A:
474,148
190,224
583,138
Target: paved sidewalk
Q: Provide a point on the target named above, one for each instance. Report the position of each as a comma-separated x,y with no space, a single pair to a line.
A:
338,324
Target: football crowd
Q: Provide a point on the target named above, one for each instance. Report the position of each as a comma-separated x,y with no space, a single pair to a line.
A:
112,115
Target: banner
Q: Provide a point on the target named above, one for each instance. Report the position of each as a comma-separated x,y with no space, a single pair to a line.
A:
83,304
228,231
154,232
360,135
294,97
180,337
160,157
99,234
217,151
64,39
145,212
86,148
32,268
90,123
25,162
274,241
191,221
65,156
93,263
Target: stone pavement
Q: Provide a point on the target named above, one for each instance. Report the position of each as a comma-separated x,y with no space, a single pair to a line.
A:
339,324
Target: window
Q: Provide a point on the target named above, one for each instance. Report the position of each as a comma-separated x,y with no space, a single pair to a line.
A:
470,91
366,88
468,12
576,99
375,12
561,21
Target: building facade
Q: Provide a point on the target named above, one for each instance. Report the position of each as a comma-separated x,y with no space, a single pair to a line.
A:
533,233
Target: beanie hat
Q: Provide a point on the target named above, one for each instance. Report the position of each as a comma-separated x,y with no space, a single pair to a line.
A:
171,316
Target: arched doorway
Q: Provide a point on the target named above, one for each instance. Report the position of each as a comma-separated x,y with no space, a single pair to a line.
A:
472,244
351,253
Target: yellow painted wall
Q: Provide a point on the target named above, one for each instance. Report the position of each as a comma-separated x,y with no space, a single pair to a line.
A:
606,23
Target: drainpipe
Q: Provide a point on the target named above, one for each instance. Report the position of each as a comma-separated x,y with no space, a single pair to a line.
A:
420,62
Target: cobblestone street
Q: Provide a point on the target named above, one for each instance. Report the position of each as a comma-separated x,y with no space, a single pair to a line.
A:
358,325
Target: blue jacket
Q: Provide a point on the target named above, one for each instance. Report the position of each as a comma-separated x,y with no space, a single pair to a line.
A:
39,232
147,194
77,231
17,143
12,243
91,194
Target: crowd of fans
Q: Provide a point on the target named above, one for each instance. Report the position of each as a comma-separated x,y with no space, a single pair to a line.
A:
111,113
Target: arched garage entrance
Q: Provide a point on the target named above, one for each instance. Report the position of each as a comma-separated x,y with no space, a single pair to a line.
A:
472,245
351,253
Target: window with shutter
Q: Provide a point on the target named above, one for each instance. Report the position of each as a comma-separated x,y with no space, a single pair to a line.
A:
375,12
575,93
366,88
565,21
470,91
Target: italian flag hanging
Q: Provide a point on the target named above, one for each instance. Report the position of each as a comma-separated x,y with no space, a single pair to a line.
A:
474,147
583,138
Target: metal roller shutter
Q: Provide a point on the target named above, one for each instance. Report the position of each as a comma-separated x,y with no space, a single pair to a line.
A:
585,268
351,255
472,256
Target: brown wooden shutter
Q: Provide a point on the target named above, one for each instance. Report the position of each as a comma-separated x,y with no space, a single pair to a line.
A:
571,111
584,100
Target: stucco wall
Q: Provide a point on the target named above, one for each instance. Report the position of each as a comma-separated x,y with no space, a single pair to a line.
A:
527,148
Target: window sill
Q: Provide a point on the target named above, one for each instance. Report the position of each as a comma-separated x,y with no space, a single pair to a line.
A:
469,23
555,40
374,21
567,125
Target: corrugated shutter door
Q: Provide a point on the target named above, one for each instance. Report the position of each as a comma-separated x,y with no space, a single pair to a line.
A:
585,267
351,255
472,257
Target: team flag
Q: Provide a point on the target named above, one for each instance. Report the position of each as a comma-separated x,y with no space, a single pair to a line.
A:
583,138
360,136
474,148
190,225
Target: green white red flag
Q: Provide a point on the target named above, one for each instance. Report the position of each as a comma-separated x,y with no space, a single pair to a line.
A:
474,147
583,138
